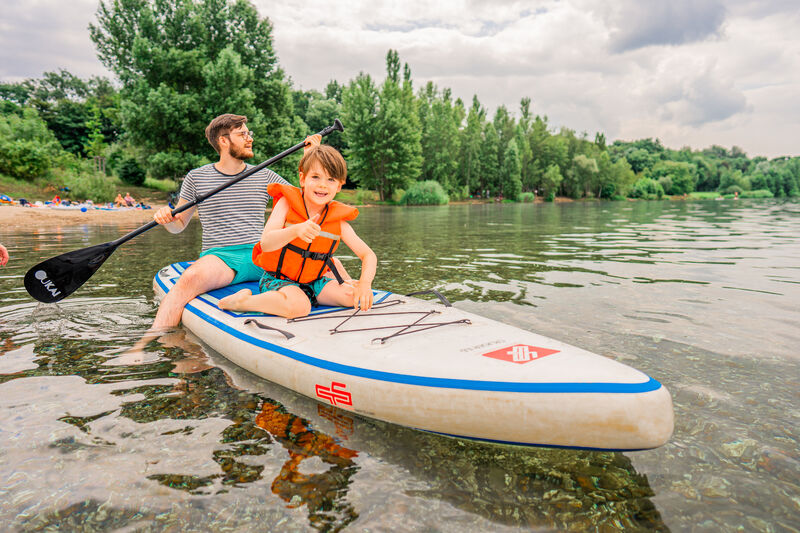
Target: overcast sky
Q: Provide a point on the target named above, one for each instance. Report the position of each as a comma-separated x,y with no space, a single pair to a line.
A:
689,72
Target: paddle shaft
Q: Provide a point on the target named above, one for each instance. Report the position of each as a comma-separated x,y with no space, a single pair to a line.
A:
336,126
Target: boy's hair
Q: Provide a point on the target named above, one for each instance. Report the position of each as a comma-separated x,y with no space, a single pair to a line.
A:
221,125
329,158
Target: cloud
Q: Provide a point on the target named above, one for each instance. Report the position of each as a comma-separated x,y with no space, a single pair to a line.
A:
636,24
699,73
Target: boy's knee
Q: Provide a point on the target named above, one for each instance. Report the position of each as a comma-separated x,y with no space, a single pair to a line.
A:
295,307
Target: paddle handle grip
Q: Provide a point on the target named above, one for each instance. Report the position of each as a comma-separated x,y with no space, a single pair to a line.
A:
336,126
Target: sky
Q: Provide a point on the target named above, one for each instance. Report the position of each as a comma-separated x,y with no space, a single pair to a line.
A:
688,72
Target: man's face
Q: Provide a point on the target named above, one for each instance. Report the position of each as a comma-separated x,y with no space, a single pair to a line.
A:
240,142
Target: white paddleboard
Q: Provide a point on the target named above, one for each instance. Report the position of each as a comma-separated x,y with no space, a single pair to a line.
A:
423,365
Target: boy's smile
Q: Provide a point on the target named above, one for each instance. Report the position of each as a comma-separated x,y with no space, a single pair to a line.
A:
318,186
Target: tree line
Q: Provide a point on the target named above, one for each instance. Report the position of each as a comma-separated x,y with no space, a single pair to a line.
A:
179,63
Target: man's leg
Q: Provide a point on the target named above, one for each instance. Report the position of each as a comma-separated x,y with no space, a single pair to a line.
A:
207,273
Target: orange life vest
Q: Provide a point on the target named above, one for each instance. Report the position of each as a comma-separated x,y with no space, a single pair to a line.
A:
301,261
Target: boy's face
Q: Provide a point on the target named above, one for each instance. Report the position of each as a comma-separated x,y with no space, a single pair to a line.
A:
319,188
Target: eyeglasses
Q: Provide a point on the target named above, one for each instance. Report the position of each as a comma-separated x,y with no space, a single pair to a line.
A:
244,134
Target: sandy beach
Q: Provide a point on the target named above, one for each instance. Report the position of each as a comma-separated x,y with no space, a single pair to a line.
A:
15,217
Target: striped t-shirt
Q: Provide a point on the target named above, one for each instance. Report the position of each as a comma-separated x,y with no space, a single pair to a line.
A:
232,216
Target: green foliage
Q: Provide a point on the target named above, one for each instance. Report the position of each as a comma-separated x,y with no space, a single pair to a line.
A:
28,149
131,172
758,193
382,132
679,177
183,62
89,185
440,139
527,197
551,181
490,161
647,189
511,172
425,193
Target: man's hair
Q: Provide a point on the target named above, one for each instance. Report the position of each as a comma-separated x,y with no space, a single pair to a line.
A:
329,158
221,125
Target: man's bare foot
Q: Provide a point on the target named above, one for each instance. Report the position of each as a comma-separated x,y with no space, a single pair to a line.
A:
234,301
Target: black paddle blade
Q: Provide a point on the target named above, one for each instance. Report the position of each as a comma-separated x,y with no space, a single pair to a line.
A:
58,277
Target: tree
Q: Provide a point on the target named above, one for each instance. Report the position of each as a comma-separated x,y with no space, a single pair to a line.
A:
469,163
75,109
682,176
383,130
27,148
182,62
551,181
440,139
511,172
490,160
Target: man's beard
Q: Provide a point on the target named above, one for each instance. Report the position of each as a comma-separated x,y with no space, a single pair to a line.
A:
241,153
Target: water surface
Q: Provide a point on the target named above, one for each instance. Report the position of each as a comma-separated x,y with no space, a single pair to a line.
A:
703,296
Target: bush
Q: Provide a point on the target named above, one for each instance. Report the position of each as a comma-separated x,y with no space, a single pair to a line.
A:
363,196
527,197
131,172
758,193
173,165
425,193
551,196
27,148
733,189
647,189
85,184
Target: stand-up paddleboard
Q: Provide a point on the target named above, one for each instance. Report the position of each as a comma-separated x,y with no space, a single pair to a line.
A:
430,366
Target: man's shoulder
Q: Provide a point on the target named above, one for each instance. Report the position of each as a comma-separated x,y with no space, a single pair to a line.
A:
268,174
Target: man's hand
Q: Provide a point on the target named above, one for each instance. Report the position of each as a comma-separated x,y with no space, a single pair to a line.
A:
3,255
312,140
164,215
308,230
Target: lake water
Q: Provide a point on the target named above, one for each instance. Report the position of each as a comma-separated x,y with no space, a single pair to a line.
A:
703,296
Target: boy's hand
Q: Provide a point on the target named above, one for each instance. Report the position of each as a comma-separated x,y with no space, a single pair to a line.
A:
308,230
362,296
312,140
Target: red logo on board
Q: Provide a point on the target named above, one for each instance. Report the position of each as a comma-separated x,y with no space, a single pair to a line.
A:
335,394
520,353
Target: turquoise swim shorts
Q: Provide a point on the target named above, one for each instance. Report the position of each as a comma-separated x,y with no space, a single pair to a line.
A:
240,259
271,283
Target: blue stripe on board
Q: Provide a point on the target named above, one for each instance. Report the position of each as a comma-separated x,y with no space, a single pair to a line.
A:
423,381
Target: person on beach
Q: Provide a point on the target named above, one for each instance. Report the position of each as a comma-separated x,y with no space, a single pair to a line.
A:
3,255
231,220
129,201
297,244
119,201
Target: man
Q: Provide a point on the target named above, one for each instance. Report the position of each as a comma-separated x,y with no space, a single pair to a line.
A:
232,219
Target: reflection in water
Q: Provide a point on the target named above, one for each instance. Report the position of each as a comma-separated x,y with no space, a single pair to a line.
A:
173,438
323,493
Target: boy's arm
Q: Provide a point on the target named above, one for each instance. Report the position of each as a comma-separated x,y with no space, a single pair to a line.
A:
369,263
275,236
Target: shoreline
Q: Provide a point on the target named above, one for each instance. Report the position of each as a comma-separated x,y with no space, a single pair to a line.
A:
16,217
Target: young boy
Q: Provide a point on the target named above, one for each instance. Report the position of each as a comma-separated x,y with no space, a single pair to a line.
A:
298,242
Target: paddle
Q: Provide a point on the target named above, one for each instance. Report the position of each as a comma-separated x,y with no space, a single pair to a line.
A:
58,277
